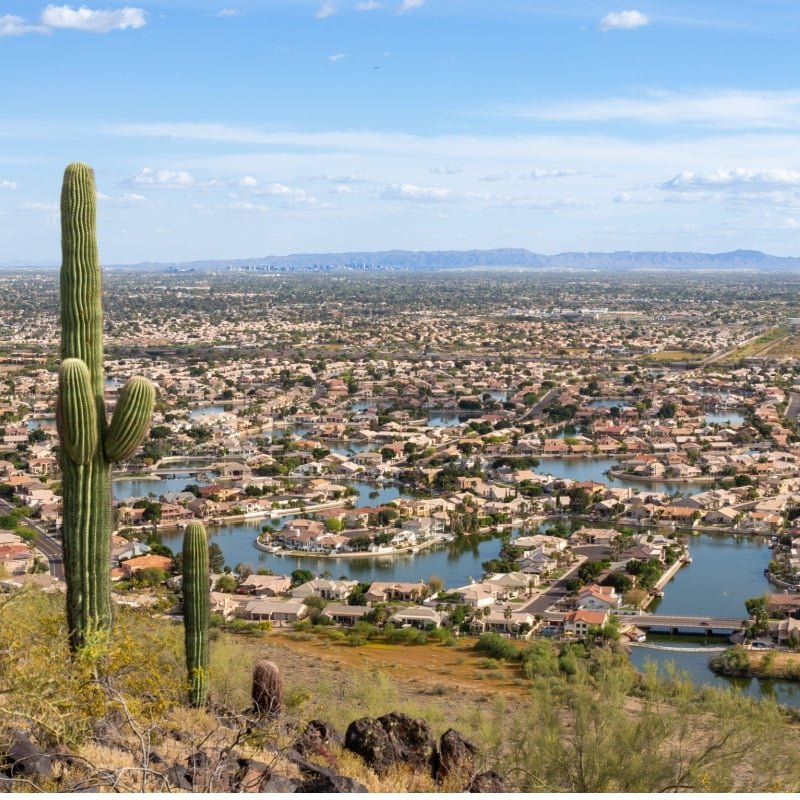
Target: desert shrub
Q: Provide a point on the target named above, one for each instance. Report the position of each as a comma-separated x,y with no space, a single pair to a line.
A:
498,647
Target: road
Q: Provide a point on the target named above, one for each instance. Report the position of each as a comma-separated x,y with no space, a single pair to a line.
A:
49,547
555,593
540,406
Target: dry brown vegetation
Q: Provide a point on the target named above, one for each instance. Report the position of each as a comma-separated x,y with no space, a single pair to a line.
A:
596,727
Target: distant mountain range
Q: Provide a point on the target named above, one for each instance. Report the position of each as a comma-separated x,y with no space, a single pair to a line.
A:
623,260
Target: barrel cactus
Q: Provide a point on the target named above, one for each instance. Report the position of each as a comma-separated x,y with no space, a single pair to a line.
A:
267,690
88,443
196,609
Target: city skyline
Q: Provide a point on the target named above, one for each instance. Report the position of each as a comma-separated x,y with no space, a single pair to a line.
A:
236,130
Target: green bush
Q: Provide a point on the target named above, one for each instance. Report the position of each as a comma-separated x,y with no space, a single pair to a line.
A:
498,647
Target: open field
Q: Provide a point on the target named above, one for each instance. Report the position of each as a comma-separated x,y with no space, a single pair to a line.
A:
789,347
668,356
760,345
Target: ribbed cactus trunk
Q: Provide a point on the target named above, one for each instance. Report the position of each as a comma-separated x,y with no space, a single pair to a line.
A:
88,445
196,610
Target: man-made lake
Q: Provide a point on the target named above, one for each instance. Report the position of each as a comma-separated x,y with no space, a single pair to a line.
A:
726,570
732,418
594,469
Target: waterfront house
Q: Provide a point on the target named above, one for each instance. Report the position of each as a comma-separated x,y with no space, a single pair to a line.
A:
783,604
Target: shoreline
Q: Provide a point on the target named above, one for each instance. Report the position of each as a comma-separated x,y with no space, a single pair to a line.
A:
650,479
410,550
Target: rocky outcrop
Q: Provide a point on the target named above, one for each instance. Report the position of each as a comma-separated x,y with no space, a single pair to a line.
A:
391,740
456,756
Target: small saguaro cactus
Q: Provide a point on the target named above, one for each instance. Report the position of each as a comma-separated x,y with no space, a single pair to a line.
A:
88,443
196,610
267,689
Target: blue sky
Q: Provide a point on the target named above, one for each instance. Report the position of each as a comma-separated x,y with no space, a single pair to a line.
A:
244,128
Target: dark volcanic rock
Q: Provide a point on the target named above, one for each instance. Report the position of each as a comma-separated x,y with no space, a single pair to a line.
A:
320,779
456,756
317,738
280,784
24,759
252,776
391,739
179,777
488,781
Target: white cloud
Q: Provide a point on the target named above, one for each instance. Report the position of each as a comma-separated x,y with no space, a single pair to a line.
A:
734,179
248,181
229,12
538,174
408,5
327,9
408,191
445,170
623,20
353,177
249,207
367,5
48,207
336,57
279,189
94,21
721,108
8,185
132,197
164,178
496,177
101,196
342,189
11,25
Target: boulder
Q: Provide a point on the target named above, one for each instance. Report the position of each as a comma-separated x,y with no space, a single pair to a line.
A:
23,759
456,756
179,777
317,738
321,779
392,739
489,781
252,776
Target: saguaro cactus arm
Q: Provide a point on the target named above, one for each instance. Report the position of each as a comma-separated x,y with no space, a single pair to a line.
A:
131,419
76,414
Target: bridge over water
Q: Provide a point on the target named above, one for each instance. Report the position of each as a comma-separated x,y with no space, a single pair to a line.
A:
663,623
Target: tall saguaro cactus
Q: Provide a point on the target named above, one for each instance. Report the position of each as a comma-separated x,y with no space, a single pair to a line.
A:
196,610
88,444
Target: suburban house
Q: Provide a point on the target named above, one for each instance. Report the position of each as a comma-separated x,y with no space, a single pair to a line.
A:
265,585
325,588
577,623
383,591
418,617
598,598
277,611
